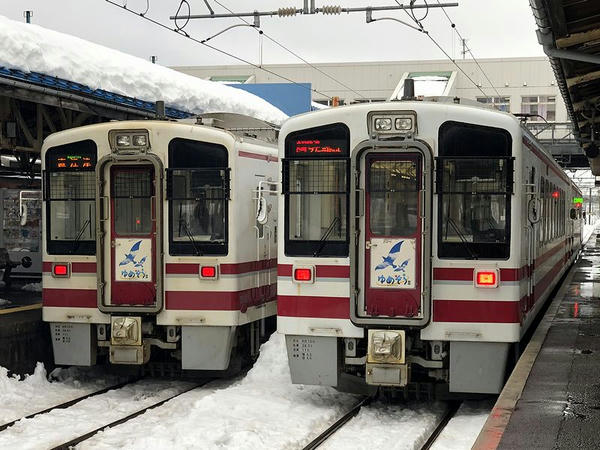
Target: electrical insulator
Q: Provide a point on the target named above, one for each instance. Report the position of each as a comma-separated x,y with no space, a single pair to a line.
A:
331,10
287,12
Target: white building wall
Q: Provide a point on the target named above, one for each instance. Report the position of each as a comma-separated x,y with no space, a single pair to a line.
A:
513,77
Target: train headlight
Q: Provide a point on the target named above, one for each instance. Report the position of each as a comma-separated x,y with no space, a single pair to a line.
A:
403,123
123,140
383,124
386,346
392,123
140,140
129,141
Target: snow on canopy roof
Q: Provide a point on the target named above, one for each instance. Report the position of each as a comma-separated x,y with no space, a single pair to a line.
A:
32,48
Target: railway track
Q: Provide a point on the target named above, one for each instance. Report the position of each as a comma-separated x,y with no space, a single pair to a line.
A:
71,443
70,402
449,414
316,442
319,440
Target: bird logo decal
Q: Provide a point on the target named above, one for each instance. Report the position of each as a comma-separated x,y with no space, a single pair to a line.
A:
390,259
130,257
136,270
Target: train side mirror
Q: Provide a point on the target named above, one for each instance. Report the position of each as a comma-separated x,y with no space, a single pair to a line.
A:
533,210
573,213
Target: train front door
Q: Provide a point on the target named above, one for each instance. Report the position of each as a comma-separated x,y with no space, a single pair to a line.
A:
390,244
130,236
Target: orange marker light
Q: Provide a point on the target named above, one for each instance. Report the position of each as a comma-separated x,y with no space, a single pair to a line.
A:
486,278
302,274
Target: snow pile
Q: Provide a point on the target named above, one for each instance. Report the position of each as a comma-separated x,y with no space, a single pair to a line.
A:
35,393
32,48
4,302
463,429
32,287
390,426
262,410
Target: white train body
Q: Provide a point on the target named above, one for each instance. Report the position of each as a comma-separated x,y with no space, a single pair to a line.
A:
159,237
418,242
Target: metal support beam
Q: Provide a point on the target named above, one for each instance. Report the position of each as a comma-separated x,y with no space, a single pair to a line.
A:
590,76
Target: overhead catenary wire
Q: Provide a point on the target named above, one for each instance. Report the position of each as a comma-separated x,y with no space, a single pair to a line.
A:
183,33
294,53
453,25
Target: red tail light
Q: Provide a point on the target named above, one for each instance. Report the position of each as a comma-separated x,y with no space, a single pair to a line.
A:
60,270
303,274
208,272
487,278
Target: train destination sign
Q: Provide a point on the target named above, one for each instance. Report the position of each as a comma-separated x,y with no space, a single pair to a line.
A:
72,162
327,141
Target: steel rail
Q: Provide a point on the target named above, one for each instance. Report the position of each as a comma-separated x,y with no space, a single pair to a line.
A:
71,402
316,442
449,414
84,437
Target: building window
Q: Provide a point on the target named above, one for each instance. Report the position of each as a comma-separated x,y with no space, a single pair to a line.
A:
500,103
540,105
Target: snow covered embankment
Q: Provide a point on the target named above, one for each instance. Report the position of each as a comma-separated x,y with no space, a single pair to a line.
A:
32,48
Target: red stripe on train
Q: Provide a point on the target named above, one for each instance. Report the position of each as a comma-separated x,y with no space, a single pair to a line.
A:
486,311
285,270
225,269
76,267
70,298
220,300
326,307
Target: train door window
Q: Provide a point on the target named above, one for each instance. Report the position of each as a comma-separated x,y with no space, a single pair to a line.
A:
474,184
316,188
198,193
70,195
132,193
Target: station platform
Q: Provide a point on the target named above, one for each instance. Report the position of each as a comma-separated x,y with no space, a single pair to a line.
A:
24,338
552,398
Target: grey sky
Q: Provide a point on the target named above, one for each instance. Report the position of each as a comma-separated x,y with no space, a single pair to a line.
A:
494,28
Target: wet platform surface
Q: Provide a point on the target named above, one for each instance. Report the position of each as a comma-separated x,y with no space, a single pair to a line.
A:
16,298
559,407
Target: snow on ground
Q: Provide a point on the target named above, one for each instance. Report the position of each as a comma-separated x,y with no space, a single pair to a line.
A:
463,429
262,410
588,229
19,398
390,426
33,287
32,48
62,425
4,302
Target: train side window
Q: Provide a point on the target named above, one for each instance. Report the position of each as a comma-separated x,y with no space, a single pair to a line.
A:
70,196
474,186
198,193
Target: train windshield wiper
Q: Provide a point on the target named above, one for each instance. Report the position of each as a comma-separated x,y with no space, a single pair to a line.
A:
463,240
327,233
88,222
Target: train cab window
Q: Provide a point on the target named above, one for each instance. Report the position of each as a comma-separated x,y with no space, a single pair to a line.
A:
474,186
70,196
316,188
198,194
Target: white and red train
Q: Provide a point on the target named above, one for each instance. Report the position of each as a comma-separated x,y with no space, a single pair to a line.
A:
418,241
160,238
